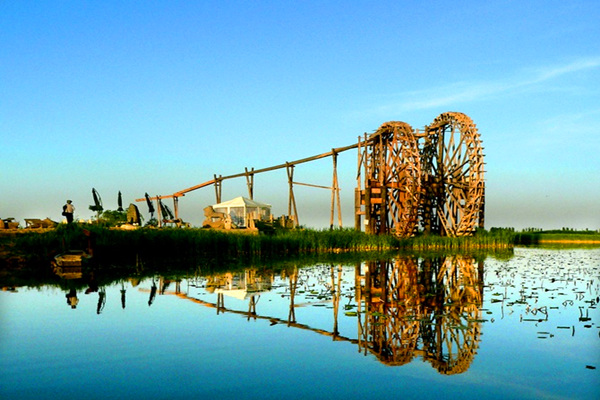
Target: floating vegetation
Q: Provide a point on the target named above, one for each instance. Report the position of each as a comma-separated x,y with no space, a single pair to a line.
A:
478,320
545,287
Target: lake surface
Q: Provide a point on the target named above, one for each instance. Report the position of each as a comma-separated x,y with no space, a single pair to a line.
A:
520,327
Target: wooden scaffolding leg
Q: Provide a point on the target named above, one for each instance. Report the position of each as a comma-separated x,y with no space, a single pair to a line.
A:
292,200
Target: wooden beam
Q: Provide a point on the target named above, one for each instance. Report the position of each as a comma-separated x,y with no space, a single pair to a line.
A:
268,169
315,186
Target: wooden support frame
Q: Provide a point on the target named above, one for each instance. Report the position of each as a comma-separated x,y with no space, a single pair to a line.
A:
335,193
218,183
291,199
250,182
438,172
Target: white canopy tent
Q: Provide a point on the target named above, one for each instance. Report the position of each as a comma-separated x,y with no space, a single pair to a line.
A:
241,209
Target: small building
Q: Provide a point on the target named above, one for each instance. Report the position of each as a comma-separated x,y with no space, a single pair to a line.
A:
241,210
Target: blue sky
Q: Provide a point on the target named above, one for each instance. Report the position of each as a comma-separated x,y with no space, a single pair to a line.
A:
160,96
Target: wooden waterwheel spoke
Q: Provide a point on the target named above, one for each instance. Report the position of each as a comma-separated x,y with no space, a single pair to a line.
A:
453,150
457,166
394,158
442,179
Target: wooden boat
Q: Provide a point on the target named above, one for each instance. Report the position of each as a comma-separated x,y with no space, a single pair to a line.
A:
72,258
68,272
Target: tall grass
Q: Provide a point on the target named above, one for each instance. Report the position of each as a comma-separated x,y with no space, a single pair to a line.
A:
495,239
121,246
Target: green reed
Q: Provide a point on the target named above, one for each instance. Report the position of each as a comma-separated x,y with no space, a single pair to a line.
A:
124,246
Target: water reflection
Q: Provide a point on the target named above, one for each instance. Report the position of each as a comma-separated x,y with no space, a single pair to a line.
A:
246,285
72,299
505,329
401,309
429,308
404,308
68,273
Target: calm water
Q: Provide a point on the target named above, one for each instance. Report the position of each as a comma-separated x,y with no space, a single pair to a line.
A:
445,327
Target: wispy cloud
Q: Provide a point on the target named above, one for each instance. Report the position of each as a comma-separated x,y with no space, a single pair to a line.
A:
579,128
463,92
553,72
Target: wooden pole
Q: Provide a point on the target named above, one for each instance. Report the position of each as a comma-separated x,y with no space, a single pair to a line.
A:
292,200
357,191
176,206
218,188
158,211
250,182
335,193
333,187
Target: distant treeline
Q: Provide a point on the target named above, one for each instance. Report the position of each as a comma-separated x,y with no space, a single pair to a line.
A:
539,236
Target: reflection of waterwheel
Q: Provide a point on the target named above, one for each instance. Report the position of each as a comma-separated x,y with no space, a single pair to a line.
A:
451,334
392,180
452,162
391,328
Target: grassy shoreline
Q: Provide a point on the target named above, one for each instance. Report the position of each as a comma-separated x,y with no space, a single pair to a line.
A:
127,246
175,245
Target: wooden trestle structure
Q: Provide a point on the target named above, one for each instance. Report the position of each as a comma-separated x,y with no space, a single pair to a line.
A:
249,175
407,179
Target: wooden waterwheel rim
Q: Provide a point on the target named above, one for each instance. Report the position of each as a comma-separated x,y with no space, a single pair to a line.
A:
453,167
394,171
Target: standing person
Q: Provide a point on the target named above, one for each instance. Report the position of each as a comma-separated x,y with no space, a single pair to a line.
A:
68,211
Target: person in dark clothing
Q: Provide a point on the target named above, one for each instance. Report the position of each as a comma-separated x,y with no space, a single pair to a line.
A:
68,211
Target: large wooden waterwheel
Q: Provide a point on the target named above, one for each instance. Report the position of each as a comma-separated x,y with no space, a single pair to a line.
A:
452,162
392,180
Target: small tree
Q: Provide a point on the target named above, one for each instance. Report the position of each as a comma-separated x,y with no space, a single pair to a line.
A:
113,218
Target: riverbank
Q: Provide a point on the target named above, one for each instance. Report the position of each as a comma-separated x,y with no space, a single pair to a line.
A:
118,246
